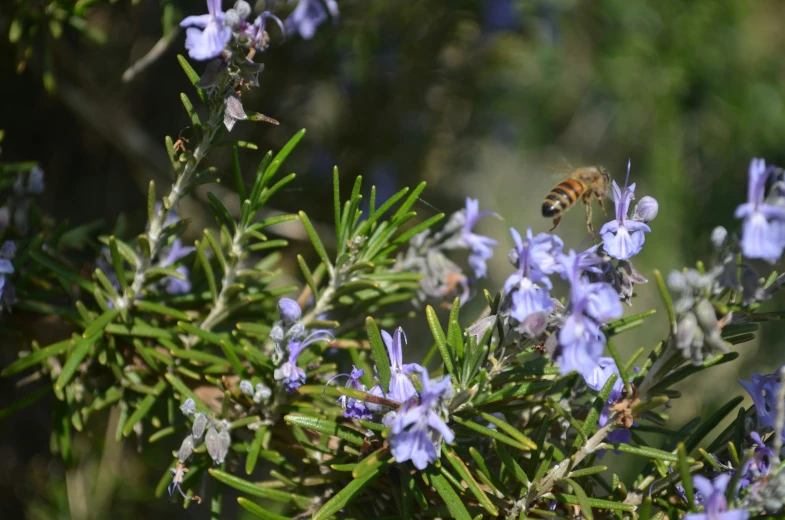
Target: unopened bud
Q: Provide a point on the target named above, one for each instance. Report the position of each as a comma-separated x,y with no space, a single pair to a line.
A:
232,18
646,210
686,331
186,449
246,387
262,393
200,423
188,408
243,9
718,236
217,443
290,311
8,250
513,257
707,318
677,281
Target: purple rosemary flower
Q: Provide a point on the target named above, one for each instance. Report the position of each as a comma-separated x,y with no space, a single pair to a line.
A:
595,380
401,387
354,408
759,464
623,238
481,246
308,15
527,289
763,230
714,502
419,427
764,389
207,36
591,304
293,376
177,252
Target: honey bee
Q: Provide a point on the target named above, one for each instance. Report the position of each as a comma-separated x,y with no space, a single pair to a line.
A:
583,183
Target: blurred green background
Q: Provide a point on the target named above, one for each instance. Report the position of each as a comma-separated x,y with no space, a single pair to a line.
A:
480,98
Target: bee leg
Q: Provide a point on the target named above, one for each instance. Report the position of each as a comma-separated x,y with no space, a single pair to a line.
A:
602,204
555,223
589,225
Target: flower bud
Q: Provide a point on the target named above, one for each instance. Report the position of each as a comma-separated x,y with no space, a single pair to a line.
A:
232,18
188,408
513,257
217,443
707,318
718,236
200,423
262,393
646,209
686,332
246,387
243,9
289,310
186,449
677,281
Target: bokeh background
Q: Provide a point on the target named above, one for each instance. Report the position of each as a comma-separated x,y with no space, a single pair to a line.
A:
485,98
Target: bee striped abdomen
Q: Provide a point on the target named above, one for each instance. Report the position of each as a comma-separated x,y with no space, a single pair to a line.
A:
562,197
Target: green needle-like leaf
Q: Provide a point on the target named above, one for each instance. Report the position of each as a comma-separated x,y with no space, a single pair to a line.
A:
353,489
379,351
583,499
317,243
666,298
328,427
686,479
441,340
75,358
258,510
250,488
448,494
468,478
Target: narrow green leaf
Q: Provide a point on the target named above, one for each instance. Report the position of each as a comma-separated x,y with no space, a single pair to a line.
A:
325,426
258,510
585,472
666,298
686,479
216,247
244,486
646,451
63,272
163,310
117,263
596,409
583,499
474,487
308,275
379,351
317,243
509,430
281,156
238,174
597,503
193,77
337,204
681,373
494,434
100,323
709,424
36,357
253,450
207,268
513,468
353,489
448,494
189,109
441,341
222,215
143,409
81,347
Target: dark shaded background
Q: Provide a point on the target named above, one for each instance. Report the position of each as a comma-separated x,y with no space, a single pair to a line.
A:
479,98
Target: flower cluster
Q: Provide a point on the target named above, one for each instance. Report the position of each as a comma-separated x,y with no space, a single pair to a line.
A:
420,424
596,379
441,277
714,502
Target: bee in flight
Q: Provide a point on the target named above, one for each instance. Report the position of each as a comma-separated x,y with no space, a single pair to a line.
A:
583,183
